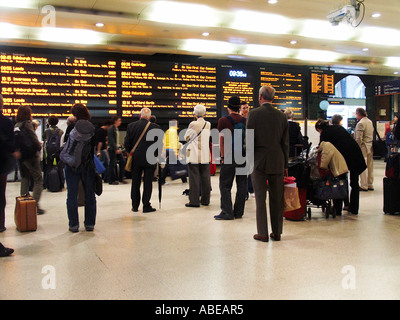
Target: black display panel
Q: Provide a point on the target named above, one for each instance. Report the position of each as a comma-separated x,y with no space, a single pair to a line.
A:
52,83
289,88
322,82
238,81
170,89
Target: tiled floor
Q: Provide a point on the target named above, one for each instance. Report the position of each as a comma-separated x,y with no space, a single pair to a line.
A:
183,253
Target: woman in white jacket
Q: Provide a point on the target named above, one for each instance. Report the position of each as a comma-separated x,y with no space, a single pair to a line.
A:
198,158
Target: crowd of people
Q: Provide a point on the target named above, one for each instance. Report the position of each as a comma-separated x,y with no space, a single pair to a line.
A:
276,139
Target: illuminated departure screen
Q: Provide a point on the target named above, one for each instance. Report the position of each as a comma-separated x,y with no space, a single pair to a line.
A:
237,81
289,88
170,89
52,83
322,82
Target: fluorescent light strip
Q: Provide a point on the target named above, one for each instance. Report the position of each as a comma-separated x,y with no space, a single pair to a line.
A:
19,4
380,36
317,55
261,22
323,30
208,46
183,13
266,51
65,35
10,31
393,62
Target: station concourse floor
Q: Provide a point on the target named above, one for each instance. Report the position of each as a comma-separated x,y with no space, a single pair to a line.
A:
183,253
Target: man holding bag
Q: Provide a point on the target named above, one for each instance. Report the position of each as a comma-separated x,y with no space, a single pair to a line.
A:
136,137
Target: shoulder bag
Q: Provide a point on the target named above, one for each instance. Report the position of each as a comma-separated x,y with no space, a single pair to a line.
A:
128,166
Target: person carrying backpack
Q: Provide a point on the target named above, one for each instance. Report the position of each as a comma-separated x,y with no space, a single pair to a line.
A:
51,151
230,148
27,147
78,157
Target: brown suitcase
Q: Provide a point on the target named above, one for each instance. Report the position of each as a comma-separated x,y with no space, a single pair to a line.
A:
25,214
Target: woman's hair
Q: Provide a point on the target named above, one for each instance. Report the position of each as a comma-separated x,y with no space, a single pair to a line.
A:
321,124
24,113
80,112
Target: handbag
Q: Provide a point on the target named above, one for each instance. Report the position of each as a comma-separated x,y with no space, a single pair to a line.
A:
331,188
99,165
379,148
98,184
128,166
178,170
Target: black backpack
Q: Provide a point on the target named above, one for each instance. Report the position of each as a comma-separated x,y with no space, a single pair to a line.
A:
24,142
53,143
241,125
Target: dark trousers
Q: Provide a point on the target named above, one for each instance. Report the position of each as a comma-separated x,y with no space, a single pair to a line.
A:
354,202
199,175
3,183
148,174
73,177
114,158
276,201
226,177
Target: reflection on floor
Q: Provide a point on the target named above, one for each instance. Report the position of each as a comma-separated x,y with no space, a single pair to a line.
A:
183,253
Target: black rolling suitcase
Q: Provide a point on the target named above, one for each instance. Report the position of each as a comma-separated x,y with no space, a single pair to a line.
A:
391,198
54,180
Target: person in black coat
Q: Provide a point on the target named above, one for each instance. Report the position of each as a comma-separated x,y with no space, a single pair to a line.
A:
351,152
295,136
140,163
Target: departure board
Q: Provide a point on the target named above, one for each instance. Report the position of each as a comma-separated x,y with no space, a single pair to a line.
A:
322,82
237,81
52,83
170,89
289,88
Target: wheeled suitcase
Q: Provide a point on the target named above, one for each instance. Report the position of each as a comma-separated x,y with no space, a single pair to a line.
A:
53,180
25,215
392,169
391,192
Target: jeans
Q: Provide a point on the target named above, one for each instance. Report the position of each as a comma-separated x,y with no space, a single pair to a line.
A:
72,177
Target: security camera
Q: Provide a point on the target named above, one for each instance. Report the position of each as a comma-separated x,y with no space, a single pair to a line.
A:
348,13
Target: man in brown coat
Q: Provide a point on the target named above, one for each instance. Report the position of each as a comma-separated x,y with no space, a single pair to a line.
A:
271,153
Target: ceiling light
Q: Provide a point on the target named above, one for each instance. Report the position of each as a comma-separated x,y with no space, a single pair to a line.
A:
365,49
393,62
322,30
19,4
78,36
99,24
272,1
376,15
205,34
254,21
10,31
266,51
293,42
317,55
380,36
396,72
208,46
182,13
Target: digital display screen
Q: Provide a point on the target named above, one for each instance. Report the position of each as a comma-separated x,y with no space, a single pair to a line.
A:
322,82
237,81
170,89
52,83
289,88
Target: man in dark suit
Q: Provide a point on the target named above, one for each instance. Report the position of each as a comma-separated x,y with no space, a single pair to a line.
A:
295,136
351,152
140,163
271,153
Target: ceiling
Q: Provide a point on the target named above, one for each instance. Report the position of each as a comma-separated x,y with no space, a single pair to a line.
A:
243,30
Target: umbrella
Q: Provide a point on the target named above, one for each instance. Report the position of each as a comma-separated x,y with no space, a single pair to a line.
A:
159,185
